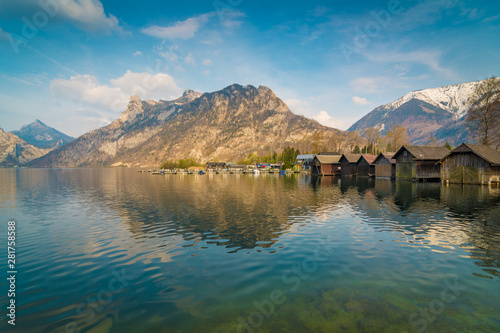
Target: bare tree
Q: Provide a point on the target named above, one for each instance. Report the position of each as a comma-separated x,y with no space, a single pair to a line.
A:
371,134
483,117
396,137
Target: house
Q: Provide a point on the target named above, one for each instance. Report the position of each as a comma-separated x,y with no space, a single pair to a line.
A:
385,166
237,167
365,166
471,164
304,161
419,162
348,164
216,165
325,165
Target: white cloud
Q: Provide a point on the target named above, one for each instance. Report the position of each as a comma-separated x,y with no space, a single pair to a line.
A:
179,30
146,85
87,89
325,119
137,53
360,100
190,60
207,62
297,106
87,15
206,72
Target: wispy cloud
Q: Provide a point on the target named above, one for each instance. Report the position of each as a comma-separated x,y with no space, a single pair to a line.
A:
429,58
179,30
137,53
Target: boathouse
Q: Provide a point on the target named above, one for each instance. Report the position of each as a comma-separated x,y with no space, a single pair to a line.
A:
385,166
304,161
325,165
365,166
216,165
419,162
348,164
471,164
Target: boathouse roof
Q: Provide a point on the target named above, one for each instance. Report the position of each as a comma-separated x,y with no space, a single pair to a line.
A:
424,152
486,153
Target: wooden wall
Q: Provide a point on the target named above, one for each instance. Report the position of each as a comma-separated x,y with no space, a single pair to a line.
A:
466,168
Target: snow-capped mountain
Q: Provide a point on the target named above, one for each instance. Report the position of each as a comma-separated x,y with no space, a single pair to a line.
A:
454,99
437,112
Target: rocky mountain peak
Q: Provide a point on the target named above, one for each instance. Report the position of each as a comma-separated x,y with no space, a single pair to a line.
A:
134,108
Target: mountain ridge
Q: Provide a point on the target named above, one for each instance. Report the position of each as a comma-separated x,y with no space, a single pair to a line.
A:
227,124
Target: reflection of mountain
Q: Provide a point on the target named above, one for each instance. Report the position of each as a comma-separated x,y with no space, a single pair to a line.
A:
235,211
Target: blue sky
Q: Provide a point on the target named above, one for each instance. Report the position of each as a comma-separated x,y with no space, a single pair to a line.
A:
73,64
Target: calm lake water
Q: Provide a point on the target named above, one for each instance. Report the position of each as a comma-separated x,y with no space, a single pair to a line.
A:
114,250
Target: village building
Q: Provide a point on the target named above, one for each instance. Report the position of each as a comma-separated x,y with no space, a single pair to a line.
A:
419,162
365,166
325,165
303,161
216,165
385,166
348,164
471,164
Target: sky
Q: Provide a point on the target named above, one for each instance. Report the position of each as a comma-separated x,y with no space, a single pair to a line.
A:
73,64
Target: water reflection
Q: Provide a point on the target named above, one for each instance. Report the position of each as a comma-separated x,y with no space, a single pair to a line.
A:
203,247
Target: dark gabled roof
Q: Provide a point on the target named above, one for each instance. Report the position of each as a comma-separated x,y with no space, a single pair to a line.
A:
488,154
424,152
367,157
351,158
387,156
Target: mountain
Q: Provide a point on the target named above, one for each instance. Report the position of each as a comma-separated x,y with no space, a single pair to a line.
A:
438,112
225,125
14,151
42,136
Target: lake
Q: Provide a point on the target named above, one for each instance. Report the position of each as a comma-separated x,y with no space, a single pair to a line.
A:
115,250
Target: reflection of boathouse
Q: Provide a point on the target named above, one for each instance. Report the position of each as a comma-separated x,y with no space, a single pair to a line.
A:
471,164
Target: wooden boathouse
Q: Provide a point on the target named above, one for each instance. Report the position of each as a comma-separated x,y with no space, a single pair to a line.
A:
365,166
348,164
385,166
471,164
419,163
325,165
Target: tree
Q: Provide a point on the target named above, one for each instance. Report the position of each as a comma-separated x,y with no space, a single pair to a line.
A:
396,137
483,117
371,134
